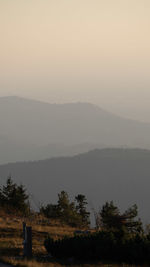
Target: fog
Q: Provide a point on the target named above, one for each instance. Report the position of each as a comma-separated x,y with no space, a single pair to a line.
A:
69,51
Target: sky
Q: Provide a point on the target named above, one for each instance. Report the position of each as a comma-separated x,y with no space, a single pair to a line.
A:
62,51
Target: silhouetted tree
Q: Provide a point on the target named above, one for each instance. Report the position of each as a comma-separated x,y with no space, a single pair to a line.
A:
81,209
14,196
67,210
109,214
110,219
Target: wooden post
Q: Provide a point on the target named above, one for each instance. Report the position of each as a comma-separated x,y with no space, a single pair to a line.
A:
24,237
28,241
24,230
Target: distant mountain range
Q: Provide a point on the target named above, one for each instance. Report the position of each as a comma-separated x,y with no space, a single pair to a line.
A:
32,130
122,175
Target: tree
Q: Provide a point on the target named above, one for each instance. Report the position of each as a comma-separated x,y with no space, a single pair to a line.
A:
133,226
1,198
8,191
14,196
111,220
81,209
67,210
109,215
21,199
63,203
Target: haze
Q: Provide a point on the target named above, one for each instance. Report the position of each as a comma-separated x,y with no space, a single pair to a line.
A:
80,50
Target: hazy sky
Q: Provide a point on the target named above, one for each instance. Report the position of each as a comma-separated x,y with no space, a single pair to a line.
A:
78,50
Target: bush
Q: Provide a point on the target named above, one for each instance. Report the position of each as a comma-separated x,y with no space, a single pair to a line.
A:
102,245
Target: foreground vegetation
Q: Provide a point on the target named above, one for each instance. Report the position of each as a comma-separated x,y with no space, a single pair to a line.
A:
102,246
11,248
118,237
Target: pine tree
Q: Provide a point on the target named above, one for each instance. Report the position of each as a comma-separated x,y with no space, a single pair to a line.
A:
14,196
109,215
81,209
111,219
67,210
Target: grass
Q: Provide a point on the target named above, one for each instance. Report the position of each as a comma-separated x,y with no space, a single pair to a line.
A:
11,234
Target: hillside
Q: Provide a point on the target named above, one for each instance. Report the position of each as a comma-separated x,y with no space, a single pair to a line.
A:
121,175
32,130
11,243
11,239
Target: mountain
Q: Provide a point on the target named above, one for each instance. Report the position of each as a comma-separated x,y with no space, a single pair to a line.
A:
122,175
33,130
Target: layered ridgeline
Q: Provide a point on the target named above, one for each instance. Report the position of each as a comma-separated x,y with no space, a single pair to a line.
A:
122,175
32,130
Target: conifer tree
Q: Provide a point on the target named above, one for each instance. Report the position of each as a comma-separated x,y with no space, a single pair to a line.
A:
81,209
14,196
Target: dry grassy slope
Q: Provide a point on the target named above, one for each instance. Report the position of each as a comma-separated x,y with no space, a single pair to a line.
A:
11,235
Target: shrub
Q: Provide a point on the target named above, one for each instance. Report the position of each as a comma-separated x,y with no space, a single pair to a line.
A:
102,245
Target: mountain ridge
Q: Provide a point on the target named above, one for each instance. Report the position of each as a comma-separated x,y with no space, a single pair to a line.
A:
77,103
134,152
31,130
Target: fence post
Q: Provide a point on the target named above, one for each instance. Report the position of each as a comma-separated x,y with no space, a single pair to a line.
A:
24,230
24,236
27,243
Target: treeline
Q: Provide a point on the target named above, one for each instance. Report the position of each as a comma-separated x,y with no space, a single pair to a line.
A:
119,237
14,198
73,213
